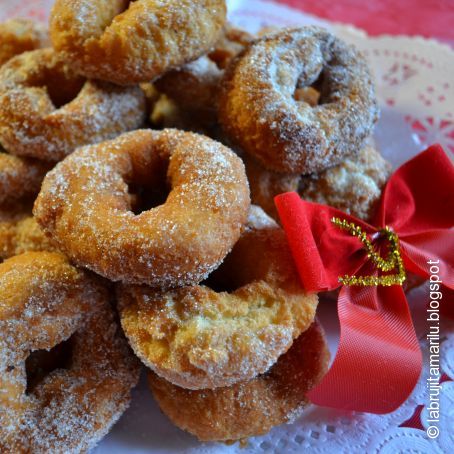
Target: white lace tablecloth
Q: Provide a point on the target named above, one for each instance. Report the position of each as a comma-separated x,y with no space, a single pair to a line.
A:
415,86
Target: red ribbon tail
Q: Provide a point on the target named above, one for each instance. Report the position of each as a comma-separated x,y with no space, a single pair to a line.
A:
379,360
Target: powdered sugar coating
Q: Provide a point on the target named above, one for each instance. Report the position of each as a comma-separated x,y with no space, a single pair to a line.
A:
44,300
259,111
253,407
32,125
85,206
95,36
199,337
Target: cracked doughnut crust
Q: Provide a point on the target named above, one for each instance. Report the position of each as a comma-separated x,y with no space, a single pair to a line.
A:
354,186
20,35
253,407
95,35
197,337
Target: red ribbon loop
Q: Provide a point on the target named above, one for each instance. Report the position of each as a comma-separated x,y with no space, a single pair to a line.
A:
379,359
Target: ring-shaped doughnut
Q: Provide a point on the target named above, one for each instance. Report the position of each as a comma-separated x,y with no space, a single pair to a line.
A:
95,36
259,111
46,110
195,86
206,337
354,186
20,177
19,232
253,407
20,35
85,207
45,301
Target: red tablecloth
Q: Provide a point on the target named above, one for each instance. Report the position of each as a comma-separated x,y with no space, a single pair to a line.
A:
428,18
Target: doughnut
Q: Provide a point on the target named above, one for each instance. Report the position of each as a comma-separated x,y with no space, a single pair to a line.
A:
167,113
20,35
354,186
152,96
95,36
46,111
233,41
230,328
20,177
195,86
19,233
258,110
84,205
190,93
265,185
253,407
46,301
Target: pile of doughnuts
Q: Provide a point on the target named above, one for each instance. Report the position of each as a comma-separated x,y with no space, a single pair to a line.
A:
133,138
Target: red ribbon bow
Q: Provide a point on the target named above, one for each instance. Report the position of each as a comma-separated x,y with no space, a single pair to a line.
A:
379,361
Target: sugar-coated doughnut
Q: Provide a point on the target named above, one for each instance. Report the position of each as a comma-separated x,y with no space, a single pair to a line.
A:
20,35
19,232
258,109
96,36
206,337
84,205
195,86
253,407
266,184
354,186
46,110
20,177
45,301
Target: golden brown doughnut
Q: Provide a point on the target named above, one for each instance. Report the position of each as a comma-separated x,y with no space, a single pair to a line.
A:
206,337
45,301
152,96
46,111
258,110
195,86
354,186
85,207
20,177
266,184
168,114
252,407
19,233
95,36
20,35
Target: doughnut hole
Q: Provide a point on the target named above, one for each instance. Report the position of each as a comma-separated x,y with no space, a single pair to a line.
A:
61,87
232,42
106,15
144,198
147,185
41,363
230,328
310,94
244,265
